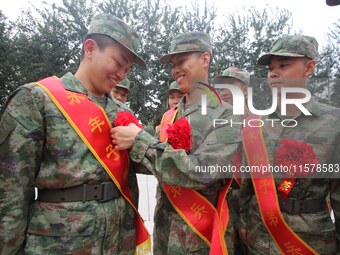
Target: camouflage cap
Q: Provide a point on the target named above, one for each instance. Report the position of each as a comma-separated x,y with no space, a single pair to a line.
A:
124,84
234,72
110,25
174,86
188,42
292,46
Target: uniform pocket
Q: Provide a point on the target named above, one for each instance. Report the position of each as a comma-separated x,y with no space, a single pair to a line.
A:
61,223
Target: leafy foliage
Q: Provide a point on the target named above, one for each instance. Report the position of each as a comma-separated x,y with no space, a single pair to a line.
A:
47,41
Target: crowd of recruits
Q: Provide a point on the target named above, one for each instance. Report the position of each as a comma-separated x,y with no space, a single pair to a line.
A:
35,153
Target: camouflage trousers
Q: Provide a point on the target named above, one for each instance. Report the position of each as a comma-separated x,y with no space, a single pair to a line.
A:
240,247
316,229
81,228
173,236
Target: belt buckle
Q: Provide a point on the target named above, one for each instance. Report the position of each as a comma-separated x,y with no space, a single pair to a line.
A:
107,190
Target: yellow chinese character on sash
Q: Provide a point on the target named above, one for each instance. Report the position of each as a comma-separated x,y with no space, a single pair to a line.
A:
74,97
257,159
292,249
198,210
96,123
175,190
264,186
112,151
273,220
286,185
251,137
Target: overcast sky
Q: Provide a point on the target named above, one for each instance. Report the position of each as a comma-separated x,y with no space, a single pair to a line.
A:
313,17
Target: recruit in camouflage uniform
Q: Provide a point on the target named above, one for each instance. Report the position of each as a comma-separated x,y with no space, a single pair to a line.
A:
294,57
175,94
121,91
190,57
240,79
39,148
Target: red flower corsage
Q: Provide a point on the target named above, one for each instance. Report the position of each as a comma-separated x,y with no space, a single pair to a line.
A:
179,134
298,158
125,118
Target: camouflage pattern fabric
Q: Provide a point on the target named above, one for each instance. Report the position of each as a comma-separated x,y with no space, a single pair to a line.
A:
233,198
188,42
39,148
210,146
233,72
292,46
173,86
109,25
124,84
322,132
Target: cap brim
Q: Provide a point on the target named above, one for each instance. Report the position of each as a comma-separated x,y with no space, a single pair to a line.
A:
168,90
122,87
264,60
167,58
220,77
136,58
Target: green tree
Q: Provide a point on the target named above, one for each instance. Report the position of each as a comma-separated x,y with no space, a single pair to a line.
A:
334,53
6,51
47,41
243,37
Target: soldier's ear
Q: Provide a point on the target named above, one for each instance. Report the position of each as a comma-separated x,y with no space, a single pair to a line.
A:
310,67
90,47
206,59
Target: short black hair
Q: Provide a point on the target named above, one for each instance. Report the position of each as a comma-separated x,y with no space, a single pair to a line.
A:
101,40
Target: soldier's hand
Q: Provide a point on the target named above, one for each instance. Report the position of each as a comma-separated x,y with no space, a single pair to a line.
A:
124,136
243,234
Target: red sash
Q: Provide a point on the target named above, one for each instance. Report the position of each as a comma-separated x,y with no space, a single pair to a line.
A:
92,125
264,185
208,222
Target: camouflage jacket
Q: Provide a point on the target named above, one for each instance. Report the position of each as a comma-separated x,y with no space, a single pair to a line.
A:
211,146
322,132
38,148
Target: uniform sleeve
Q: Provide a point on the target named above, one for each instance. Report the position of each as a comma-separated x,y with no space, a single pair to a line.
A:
21,146
177,167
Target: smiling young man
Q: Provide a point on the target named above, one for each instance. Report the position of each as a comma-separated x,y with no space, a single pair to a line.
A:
54,135
288,214
182,225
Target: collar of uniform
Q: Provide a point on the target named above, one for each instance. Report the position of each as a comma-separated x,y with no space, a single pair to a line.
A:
194,106
72,84
181,107
312,106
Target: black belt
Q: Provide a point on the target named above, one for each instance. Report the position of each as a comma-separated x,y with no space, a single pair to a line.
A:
102,192
295,206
